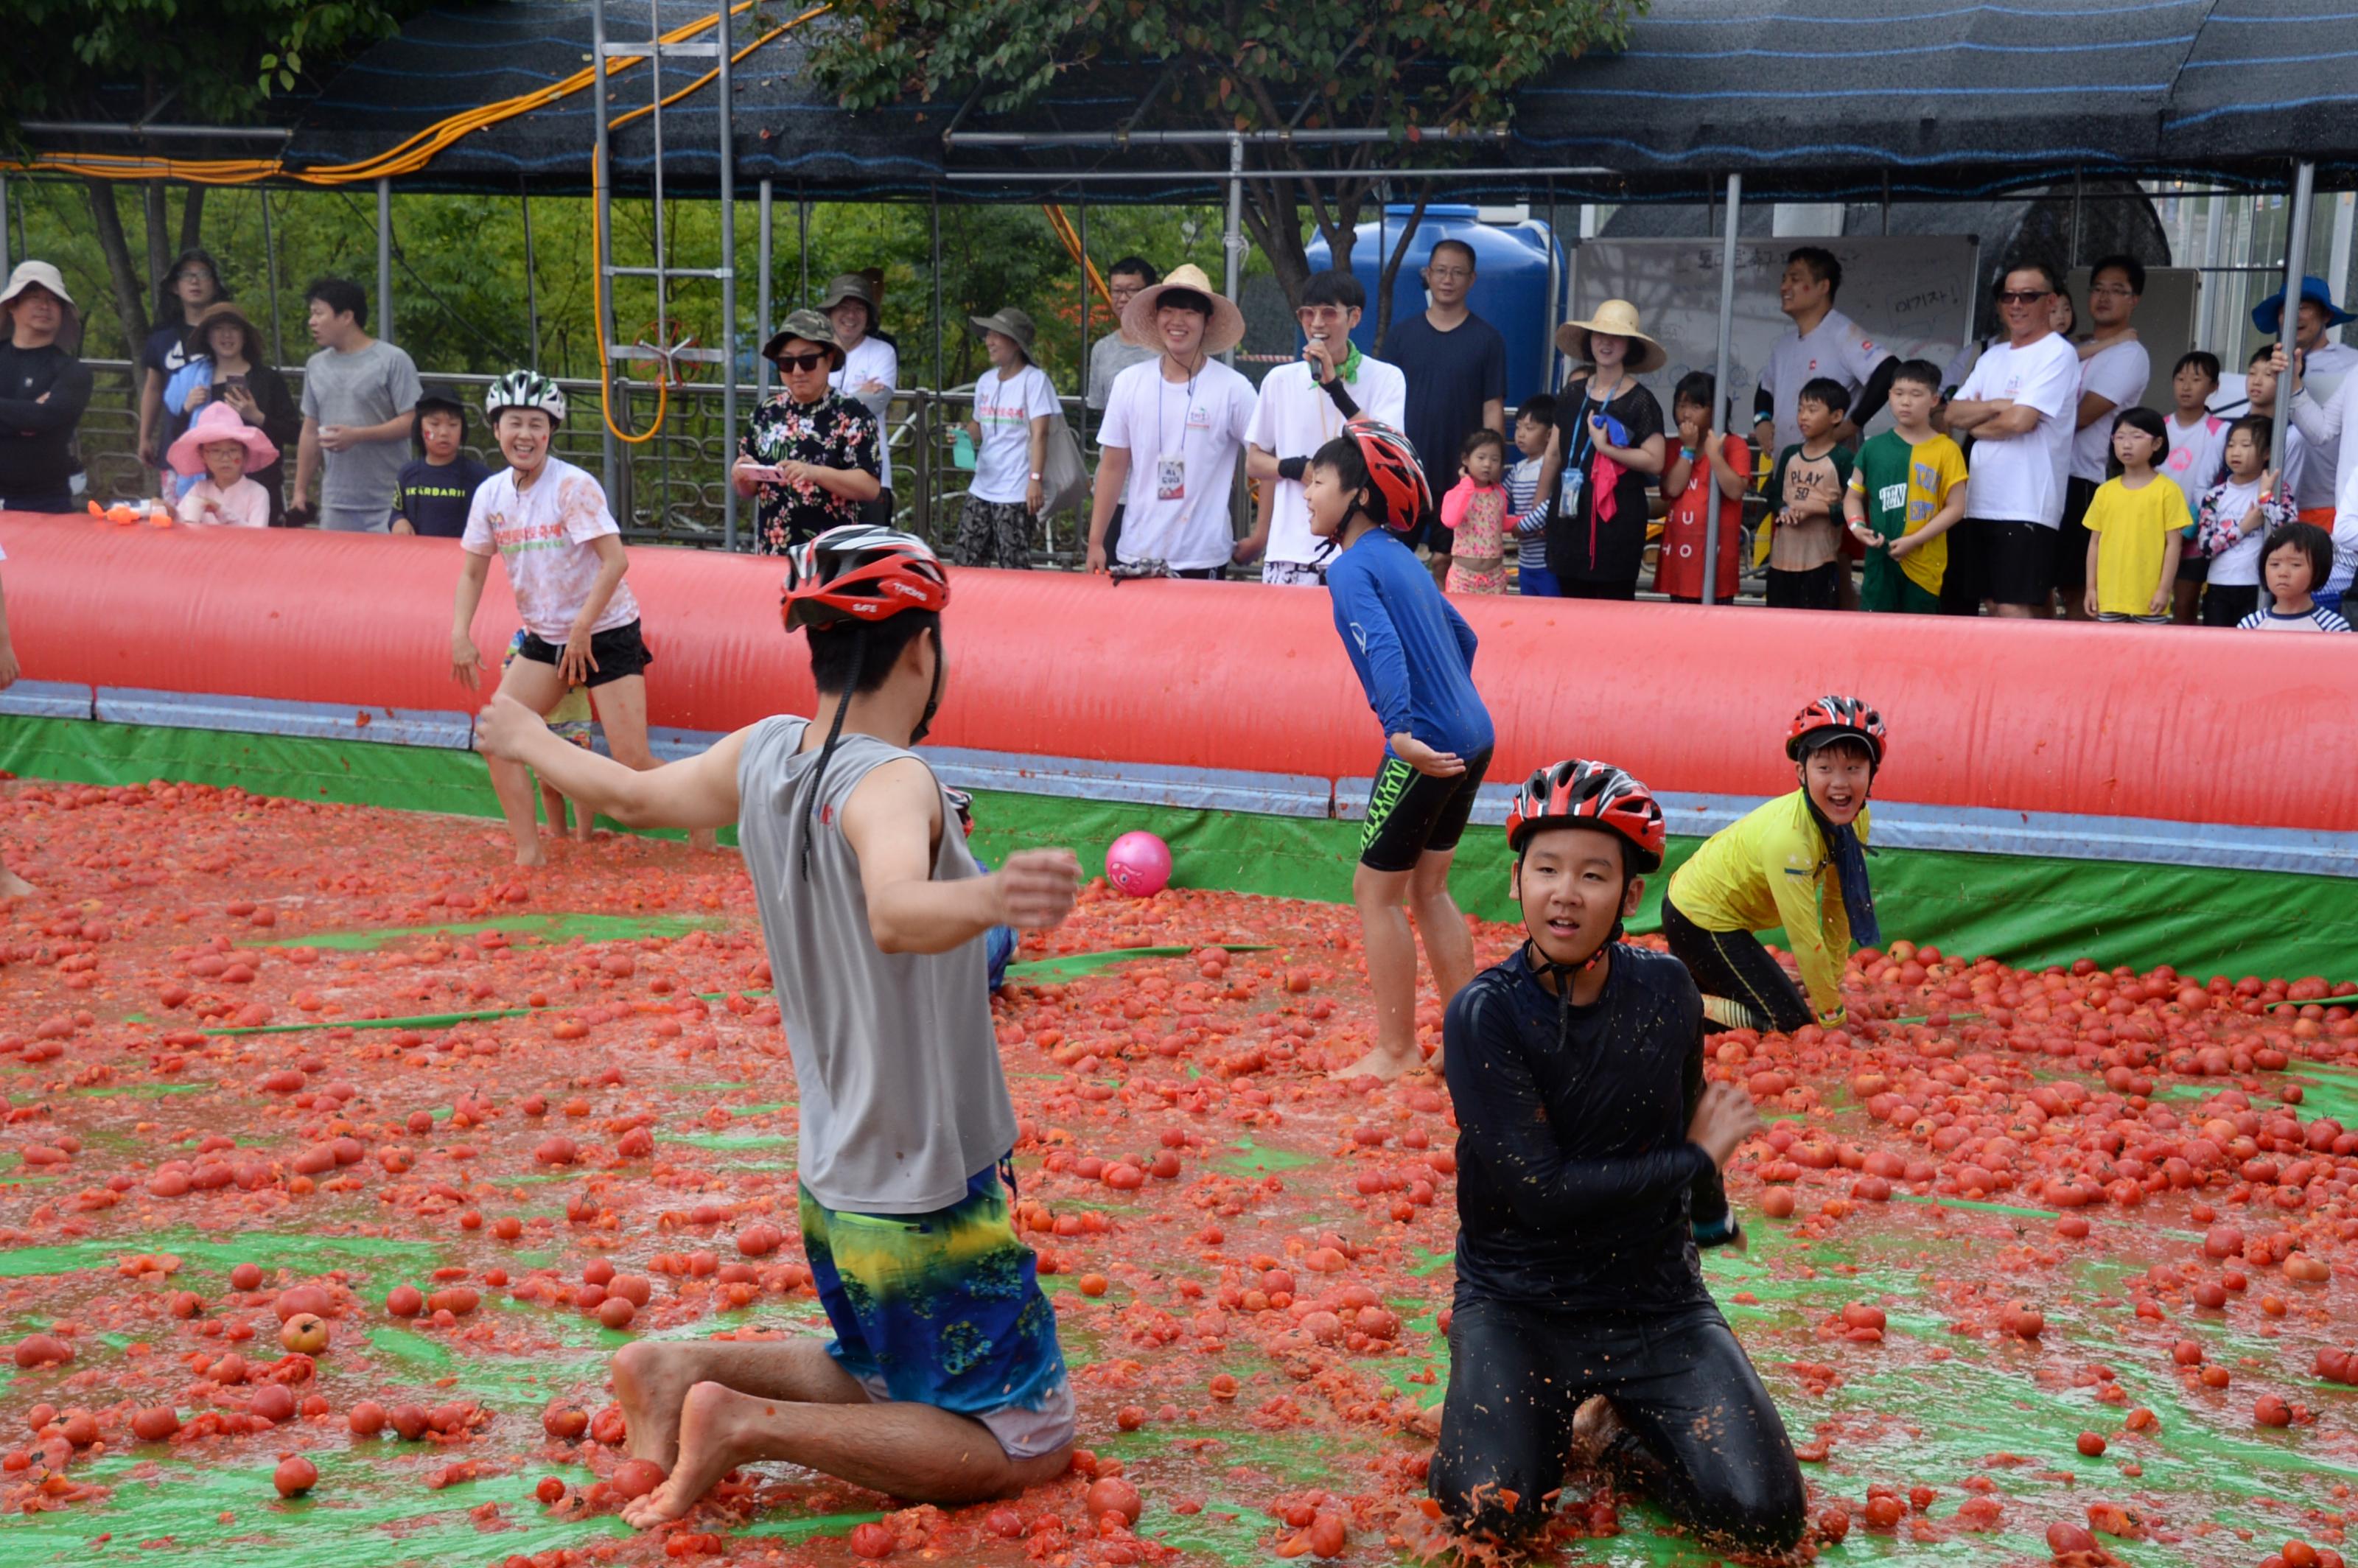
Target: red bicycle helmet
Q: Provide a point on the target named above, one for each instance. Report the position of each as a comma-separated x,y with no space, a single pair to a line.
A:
858,572
1831,718
1398,491
1578,792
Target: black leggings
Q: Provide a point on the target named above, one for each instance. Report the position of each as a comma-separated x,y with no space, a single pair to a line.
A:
1700,1435
1734,965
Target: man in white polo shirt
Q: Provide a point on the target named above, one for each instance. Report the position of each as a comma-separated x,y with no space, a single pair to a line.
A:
1302,406
2019,404
1823,342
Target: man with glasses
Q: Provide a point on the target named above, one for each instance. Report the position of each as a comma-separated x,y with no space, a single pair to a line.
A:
2019,404
2113,370
1113,353
1455,364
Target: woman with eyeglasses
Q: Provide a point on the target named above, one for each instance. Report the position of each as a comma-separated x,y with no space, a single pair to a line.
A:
810,455
189,289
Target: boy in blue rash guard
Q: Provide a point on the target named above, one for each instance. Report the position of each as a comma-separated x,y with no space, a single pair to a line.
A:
1589,1159
1415,656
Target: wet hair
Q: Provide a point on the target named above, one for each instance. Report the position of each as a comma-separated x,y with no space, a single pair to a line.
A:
2311,541
2143,419
1184,300
1476,439
860,654
1135,266
1921,372
1696,387
1822,264
2203,360
1343,455
2127,265
168,303
341,295
1826,393
1471,263
1334,286
2266,350
1538,406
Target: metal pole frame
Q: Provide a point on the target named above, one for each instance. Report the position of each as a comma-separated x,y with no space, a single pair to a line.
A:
604,220
1232,233
270,263
2295,267
7,264
761,367
932,400
728,129
802,197
1720,391
385,260
531,277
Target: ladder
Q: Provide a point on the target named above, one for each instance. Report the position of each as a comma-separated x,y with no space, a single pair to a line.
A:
655,50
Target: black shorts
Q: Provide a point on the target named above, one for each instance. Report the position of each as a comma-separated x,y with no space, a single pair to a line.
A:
1820,588
2072,538
2017,560
1583,587
618,653
1410,813
2226,603
1734,967
2192,567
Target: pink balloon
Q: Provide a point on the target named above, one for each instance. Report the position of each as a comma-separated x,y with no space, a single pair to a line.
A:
1138,864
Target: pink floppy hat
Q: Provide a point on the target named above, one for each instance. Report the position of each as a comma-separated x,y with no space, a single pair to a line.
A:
220,422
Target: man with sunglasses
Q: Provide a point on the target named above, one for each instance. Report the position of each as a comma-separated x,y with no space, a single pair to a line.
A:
811,456
2020,404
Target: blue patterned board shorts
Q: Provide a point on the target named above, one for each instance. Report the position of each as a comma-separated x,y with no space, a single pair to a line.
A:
944,1309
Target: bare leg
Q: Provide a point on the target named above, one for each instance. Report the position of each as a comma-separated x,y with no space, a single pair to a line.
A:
2186,601
1391,949
910,1451
14,886
621,708
1448,946
2019,612
651,1379
552,807
537,686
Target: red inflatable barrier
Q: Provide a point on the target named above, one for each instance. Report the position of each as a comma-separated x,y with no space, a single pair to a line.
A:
2219,726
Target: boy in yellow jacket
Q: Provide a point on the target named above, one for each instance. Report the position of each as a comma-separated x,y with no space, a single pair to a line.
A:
1797,861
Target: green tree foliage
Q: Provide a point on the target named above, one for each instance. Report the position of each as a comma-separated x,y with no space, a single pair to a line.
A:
1249,65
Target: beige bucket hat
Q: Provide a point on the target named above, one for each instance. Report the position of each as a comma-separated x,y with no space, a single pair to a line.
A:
1616,319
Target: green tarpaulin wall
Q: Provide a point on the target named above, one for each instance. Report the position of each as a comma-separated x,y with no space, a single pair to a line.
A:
2030,912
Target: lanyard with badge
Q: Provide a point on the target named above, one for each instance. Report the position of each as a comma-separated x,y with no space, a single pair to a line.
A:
1171,465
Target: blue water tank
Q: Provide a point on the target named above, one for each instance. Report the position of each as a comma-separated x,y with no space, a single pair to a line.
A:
1510,282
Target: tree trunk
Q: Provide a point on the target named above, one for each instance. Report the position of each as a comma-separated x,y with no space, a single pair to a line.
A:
192,217
130,297
159,234
1390,274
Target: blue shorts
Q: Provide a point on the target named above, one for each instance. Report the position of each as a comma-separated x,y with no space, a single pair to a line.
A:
1533,580
944,1309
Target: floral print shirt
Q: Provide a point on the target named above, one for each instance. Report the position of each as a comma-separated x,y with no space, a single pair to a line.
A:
836,432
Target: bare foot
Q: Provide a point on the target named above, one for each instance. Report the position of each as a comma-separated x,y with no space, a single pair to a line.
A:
1594,1425
714,1423
1380,1063
651,1382
530,855
14,886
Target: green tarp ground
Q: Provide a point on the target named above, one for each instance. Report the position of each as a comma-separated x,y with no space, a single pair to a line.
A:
2029,911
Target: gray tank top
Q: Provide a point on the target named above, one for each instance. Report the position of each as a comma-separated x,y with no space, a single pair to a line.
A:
895,1057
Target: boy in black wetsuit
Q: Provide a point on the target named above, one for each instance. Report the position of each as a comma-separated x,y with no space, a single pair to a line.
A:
1589,1157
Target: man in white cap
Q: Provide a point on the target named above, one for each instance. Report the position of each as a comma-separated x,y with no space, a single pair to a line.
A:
1174,431
43,390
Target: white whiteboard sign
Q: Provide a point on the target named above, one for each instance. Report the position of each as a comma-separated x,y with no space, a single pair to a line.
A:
1912,292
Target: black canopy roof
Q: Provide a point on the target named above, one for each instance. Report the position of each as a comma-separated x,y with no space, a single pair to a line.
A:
1808,99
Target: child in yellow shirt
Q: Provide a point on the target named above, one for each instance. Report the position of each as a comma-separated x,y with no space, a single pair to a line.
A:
2137,526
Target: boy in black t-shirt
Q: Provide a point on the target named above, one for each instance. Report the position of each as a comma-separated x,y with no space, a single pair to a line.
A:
436,489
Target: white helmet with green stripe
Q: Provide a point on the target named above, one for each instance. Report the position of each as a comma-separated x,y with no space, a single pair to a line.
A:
524,389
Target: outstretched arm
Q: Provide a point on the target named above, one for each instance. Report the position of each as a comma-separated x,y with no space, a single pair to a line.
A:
698,792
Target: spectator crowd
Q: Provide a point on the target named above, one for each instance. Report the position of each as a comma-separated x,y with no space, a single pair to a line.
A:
2025,478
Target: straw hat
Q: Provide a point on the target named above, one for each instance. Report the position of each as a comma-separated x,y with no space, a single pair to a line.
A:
1615,318
197,340
1226,330
219,422
811,328
1010,321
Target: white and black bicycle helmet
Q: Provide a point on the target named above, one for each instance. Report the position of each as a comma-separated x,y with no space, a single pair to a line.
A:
524,389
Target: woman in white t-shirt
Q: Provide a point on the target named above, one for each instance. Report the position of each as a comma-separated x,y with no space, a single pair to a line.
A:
1013,404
